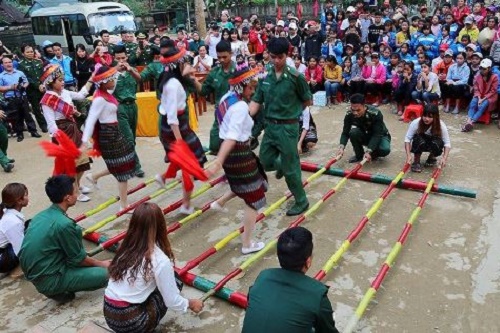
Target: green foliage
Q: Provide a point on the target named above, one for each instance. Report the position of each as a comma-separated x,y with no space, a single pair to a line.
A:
138,7
22,6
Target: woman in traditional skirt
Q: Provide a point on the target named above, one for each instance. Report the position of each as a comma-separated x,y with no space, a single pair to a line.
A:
174,114
242,168
308,136
102,124
427,134
60,112
142,283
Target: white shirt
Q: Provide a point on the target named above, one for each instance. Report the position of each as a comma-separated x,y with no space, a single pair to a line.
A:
236,48
101,110
173,98
208,60
213,43
237,123
12,229
68,96
290,62
163,279
302,69
305,118
433,84
412,130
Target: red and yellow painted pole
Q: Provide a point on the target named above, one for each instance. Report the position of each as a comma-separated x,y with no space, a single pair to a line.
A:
360,226
270,245
222,243
114,240
389,261
113,200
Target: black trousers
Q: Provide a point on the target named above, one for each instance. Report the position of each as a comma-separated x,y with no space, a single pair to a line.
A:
452,91
427,143
403,94
357,87
19,111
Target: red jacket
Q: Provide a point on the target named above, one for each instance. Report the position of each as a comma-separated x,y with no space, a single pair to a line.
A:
314,74
460,13
259,45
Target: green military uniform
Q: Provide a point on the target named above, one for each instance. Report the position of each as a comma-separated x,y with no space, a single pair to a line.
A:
216,83
283,301
369,131
268,66
4,144
283,101
145,57
51,254
152,72
125,91
131,49
33,69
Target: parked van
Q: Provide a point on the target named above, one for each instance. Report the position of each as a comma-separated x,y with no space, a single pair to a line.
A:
71,24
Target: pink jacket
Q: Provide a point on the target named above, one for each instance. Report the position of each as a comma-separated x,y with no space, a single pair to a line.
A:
488,90
380,73
314,74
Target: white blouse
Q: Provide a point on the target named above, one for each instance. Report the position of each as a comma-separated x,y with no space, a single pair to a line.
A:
68,96
101,110
163,279
208,60
305,118
12,229
173,99
412,130
237,123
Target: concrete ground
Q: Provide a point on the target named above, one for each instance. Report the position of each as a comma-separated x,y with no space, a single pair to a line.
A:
446,278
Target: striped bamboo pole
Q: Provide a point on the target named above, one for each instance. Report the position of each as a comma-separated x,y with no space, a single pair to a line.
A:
113,200
333,260
386,180
223,242
270,245
105,243
389,261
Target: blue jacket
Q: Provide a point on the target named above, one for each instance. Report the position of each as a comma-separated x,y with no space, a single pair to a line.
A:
454,30
460,75
496,71
388,37
65,64
335,50
457,47
429,40
406,57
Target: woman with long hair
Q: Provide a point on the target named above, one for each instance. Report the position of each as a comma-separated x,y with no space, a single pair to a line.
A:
237,46
60,113
142,283
174,113
403,36
102,124
427,134
84,66
12,224
242,168
455,86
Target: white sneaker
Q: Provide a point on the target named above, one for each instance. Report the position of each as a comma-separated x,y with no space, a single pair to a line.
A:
215,206
83,198
254,247
159,179
85,190
186,211
88,176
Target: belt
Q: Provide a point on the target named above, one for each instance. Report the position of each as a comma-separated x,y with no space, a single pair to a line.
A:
282,121
127,102
120,304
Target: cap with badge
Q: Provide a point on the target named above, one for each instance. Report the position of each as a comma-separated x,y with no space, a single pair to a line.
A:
140,35
485,63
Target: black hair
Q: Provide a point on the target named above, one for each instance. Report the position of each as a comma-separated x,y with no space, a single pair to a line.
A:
103,32
56,44
58,187
80,47
278,45
410,64
446,27
25,46
357,99
119,49
223,46
176,72
333,59
295,246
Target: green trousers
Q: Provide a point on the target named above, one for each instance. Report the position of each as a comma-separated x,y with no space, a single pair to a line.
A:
214,143
278,151
73,279
4,144
258,123
127,122
34,97
359,139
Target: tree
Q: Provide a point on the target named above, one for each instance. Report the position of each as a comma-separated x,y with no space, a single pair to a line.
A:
138,7
199,13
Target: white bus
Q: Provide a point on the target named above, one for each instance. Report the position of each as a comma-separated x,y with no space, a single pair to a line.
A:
80,23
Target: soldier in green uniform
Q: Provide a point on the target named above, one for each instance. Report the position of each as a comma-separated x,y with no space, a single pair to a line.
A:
153,70
33,69
364,126
125,91
286,300
105,37
52,254
217,83
284,93
131,48
144,51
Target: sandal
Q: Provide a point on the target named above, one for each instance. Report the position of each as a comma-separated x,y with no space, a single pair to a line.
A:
416,167
467,128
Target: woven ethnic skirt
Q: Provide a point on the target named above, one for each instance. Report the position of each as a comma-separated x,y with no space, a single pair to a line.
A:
70,128
246,176
118,153
167,137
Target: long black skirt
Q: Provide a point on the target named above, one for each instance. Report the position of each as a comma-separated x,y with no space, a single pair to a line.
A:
117,152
